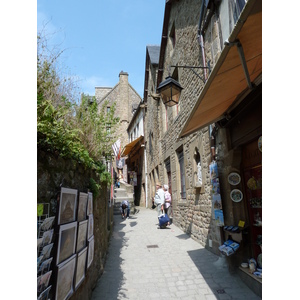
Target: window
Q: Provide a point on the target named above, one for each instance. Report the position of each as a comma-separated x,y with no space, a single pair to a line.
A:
235,8
182,174
172,35
150,142
176,108
108,128
108,109
168,171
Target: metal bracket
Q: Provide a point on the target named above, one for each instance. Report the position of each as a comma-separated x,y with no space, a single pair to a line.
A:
192,68
239,46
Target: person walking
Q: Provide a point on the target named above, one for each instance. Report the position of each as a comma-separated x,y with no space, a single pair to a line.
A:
168,198
125,209
159,199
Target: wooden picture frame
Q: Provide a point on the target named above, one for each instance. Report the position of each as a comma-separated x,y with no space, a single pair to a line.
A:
82,206
90,251
90,226
80,267
67,206
65,279
82,235
66,241
90,204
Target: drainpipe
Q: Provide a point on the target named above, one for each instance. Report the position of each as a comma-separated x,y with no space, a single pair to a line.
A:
201,43
146,178
200,39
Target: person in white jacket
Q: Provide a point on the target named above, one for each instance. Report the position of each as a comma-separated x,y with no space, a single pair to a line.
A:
159,199
125,209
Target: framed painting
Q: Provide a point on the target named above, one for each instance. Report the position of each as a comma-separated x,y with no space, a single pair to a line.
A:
67,206
90,204
91,226
82,235
82,207
80,267
66,241
90,251
65,278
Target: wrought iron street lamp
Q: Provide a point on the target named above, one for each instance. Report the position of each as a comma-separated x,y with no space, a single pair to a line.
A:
170,91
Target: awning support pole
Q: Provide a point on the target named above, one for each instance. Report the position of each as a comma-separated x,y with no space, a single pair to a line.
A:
242,58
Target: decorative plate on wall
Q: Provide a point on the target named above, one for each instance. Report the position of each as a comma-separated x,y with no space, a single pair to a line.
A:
236,195
259,143
234,178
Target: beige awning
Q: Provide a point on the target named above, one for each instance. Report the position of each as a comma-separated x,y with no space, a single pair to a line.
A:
227,79
129,147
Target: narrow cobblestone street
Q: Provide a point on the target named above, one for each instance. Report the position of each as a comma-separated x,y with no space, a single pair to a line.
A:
148,263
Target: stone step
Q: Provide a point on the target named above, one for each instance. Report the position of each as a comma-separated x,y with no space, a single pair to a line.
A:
118,204
120,192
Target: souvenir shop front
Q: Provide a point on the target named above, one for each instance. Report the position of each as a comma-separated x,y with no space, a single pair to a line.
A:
238,160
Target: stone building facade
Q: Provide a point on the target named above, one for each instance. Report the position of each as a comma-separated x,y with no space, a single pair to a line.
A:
127,100
170,159
230,104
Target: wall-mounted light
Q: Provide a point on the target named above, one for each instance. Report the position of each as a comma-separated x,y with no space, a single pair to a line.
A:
170,91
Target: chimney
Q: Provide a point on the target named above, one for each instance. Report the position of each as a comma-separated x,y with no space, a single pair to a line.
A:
123,77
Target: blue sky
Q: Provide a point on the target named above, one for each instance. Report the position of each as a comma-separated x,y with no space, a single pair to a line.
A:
102,38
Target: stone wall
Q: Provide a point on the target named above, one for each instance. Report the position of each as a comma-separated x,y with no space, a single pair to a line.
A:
53,172
194,214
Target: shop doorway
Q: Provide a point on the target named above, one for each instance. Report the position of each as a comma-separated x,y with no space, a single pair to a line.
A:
252,175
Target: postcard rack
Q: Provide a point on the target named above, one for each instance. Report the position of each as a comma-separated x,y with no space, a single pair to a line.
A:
42,217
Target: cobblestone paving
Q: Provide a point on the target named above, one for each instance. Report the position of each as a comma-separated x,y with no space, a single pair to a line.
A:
148,263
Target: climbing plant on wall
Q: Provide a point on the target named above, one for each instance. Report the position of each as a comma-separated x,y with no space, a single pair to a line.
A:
68,126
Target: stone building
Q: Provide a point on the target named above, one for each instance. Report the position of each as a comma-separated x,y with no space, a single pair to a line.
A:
213,50
126,99
170,159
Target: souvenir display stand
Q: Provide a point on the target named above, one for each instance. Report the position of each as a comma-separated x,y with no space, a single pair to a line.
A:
65,245
45,234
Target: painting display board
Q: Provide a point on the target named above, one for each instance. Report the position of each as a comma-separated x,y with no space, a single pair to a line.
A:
69,236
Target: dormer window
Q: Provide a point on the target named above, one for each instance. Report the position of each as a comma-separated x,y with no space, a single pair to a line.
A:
172,35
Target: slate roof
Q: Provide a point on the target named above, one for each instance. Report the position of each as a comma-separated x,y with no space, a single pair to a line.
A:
153,54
